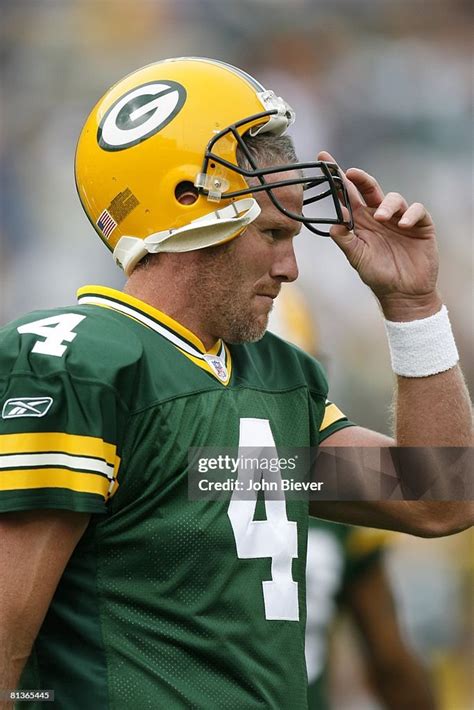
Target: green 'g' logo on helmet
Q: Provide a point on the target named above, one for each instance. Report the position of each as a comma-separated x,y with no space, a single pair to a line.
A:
140,113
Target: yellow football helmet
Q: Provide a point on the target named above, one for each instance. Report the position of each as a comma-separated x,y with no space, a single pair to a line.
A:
177,124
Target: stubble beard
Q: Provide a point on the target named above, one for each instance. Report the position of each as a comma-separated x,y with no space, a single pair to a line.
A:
235,321
241,329
229,312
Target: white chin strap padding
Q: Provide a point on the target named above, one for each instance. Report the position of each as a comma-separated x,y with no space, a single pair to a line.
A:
214,228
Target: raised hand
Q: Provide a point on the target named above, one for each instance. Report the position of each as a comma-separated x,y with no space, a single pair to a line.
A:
392,247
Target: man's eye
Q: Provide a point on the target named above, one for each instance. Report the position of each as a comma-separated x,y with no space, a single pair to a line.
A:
271,233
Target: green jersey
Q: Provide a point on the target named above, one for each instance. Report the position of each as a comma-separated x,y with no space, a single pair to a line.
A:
165,602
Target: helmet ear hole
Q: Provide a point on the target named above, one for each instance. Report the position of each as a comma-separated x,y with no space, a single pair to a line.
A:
186,193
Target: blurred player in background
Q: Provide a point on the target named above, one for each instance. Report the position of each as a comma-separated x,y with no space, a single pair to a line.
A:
346,572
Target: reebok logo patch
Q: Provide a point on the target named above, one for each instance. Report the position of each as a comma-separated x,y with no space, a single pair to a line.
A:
26,407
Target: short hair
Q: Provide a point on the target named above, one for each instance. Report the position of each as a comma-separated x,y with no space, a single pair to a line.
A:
267,150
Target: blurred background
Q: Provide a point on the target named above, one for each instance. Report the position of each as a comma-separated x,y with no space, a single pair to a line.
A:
384,86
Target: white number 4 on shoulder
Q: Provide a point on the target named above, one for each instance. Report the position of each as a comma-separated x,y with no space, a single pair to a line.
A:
55,330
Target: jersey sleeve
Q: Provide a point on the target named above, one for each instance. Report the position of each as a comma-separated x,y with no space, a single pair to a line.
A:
333,421
62,419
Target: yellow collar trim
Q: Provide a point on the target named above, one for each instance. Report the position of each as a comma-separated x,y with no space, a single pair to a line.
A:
221,368
216,361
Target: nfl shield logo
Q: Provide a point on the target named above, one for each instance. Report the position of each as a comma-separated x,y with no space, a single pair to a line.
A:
218,367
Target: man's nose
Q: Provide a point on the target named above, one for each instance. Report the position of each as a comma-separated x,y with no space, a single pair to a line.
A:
285,267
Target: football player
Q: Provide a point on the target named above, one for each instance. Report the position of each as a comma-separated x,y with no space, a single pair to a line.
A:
117,589
346,572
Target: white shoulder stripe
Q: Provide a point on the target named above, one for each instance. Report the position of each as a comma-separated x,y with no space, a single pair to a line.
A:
77,463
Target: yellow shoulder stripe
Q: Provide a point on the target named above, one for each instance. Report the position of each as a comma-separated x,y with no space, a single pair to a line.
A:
363,541
56,441
331,415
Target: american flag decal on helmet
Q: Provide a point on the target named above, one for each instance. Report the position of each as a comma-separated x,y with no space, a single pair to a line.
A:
106,223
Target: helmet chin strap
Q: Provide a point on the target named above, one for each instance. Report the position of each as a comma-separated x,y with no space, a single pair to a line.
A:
214,228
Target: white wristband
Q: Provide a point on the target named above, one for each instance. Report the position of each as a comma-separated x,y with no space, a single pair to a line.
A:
419,348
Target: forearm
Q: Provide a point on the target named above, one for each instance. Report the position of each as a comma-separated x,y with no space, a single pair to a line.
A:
422,518
22,609
433,411
403,683
393,249
353,462
12,662
35,547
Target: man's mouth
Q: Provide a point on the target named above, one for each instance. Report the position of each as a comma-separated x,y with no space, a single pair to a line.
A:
269,294
267,300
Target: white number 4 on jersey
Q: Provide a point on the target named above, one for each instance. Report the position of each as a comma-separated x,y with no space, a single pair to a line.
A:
55,330
276,537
